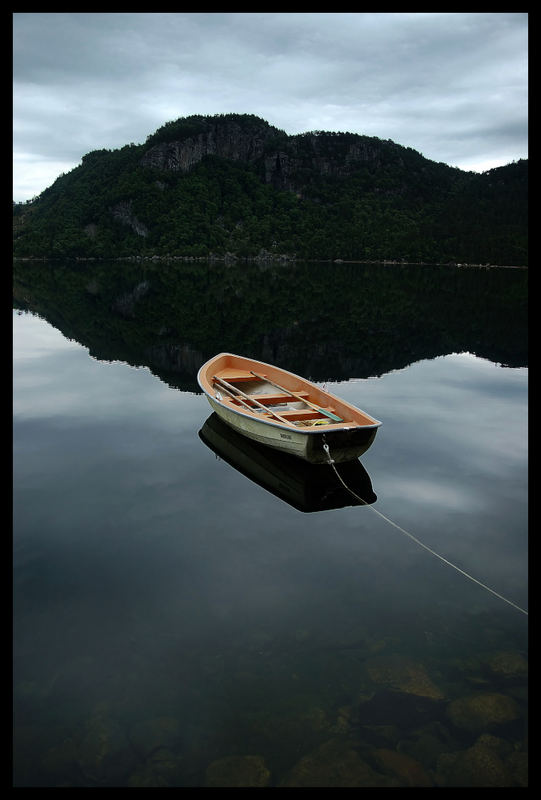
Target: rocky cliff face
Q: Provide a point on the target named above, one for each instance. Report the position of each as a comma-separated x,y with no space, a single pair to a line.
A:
225,139
281,166
124,214
313,154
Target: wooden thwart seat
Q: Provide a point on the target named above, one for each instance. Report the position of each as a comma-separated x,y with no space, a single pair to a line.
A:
234,375
293,415
299,414
281,397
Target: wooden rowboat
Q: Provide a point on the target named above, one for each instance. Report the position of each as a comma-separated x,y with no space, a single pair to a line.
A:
284,411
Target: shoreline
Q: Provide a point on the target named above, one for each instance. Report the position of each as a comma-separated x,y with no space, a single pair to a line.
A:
228,258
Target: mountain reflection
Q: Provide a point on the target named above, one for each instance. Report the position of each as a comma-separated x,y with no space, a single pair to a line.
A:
323,320
306,487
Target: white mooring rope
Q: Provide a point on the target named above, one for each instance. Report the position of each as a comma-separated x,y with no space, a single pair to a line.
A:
414,538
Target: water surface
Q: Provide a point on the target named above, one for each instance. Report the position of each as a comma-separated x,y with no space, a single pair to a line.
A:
173,617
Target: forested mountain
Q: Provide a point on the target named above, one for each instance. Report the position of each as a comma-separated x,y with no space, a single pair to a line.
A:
232,185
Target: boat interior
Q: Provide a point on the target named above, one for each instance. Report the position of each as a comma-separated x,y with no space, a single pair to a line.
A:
247,390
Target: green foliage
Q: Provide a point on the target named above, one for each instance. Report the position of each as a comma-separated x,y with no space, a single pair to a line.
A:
388,203
186,127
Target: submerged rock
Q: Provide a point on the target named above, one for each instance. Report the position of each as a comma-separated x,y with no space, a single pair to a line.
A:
162,769
517,764
335,764
149,735
343,720
104,753
405,768
398,709
61,759
478,766
427,743
482,712
282,733
508,664
380,735
237,772
403,674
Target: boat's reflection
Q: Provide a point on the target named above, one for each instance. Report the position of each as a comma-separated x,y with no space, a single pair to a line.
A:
306,487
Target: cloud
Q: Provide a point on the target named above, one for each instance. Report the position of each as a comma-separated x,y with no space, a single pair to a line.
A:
451,85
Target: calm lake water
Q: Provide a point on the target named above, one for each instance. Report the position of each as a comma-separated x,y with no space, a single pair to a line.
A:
184,612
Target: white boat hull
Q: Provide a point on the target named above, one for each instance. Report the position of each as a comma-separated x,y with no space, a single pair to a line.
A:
288,441
305,445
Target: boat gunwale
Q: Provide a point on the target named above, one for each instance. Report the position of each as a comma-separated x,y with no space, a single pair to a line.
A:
317,430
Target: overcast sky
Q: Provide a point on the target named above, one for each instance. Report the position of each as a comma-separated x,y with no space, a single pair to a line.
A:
451,85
